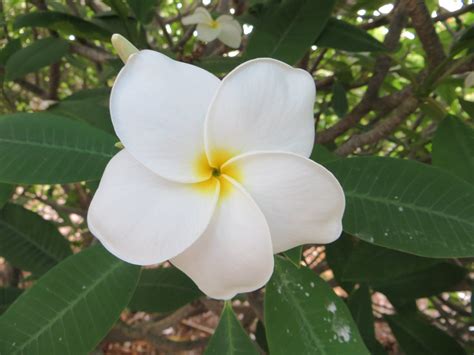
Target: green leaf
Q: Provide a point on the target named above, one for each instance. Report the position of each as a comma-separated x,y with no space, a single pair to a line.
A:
360,305
8,50
71,308
28,241
64,23
163,290
416,336
339,99
229,337
371,263
46,149
92,110
288,28
407,206
6,191
34,57
467,106
7,296
304,316
337,254
294,255
453,148
423,283
465,41
143,9
342,35
219,65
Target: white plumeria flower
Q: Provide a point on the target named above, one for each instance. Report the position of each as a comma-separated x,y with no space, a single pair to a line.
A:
214,175
225,28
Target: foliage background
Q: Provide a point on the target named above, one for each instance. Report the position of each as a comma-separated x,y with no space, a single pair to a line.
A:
394,80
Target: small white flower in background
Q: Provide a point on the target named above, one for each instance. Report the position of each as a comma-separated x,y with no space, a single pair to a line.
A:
214,175
225,27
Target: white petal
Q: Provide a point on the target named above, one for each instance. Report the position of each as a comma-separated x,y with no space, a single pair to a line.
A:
200,15
234,254
263,104
158,106
145,219
206,32
302,201
231,31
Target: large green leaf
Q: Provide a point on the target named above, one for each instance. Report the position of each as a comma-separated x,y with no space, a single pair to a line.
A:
7,296
337,254
416,336
143,9
43,148
342,35
288,28
453,148
219,65
468,107
34,57
339,99
230,338
71,308
28,241
304,316
6,191
7,51
64,23
408,206
163,290
371,263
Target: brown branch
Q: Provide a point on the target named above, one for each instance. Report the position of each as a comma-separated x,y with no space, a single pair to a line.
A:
34,89
424,27
382,66
382,129
54,80
95,54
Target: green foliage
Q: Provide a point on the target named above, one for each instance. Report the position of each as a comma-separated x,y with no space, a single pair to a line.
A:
71,308
288,28
172,289
7,296
294,299
425,211
42,148
28,241
36,56
5,193
230,337
339,99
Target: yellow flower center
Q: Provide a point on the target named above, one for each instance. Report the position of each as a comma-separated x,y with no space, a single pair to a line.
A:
216,172
214,24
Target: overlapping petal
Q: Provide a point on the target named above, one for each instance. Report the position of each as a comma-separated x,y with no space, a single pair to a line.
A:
206,32
200,15
158,107
145,219
302,201
230,31
235,252
263,104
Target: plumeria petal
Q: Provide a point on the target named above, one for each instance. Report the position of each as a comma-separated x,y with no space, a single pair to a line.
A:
158,106
145,219
230,31
200,15
263,104
206,32
302,201
234,254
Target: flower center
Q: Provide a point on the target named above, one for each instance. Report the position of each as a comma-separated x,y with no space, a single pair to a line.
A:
214,24
216,172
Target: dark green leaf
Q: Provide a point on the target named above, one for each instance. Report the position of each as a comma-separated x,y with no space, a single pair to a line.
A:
143,9
342,35
467,106
417,337
230,338
28,241
339,99
64,23
304,316
407,206
163,290
71,308
453,148
34,57
465,41
6,191
295,255
429,282
371,263
7,296
219,65
8,50
337,255
360,305
288,28
42,148
322,155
